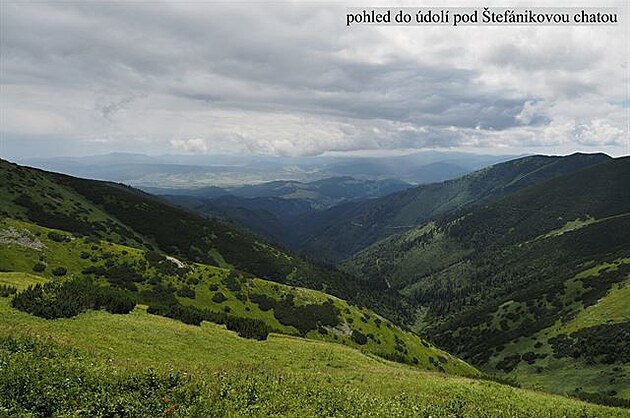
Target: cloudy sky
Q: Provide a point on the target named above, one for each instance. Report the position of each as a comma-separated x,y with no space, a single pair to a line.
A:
289,78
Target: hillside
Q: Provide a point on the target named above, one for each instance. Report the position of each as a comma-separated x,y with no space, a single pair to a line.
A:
267,216
127,216
340,232
184,266
99,364
194,292
322,193
531,284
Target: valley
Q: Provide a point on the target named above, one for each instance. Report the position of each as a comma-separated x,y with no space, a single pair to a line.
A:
515,286
254,209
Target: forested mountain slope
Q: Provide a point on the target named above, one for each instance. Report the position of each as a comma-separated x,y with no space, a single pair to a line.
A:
503,284
341,231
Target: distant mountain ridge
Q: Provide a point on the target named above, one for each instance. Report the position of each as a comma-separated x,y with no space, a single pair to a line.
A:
267,208
318,194
341,231
192,171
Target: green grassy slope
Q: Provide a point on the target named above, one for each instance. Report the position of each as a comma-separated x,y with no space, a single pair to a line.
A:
584,350
342,231
23,246
98,363
497,281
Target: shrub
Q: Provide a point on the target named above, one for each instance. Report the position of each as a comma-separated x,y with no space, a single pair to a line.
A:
358,337
219,297
245,327
56,236
602,399
232,283
248,327
7,290
504,380
186,292
68,299
153,257
264,302
187,314
509,363
606,342
303,318
123,275
59,271
116,301
39,267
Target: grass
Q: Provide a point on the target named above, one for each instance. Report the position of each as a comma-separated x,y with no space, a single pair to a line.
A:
384,336
284,375
427,249
20,280
569,226
566,375
614,307
577,224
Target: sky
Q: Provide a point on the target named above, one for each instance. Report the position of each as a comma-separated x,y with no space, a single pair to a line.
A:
291,79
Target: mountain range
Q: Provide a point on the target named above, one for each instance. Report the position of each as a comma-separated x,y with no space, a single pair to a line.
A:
517,272
197,171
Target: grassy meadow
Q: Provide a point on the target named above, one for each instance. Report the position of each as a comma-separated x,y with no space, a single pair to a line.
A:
141,364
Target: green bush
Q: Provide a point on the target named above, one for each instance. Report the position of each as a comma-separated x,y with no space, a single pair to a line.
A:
57,237
39,267
7,290
509,363
59,271
219,297
248,327
232,282
303,318
605,342
187,314
245,327
68,299
186,292
358,337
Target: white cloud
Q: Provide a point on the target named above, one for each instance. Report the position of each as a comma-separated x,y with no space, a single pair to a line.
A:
292,79
599,132
194,145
